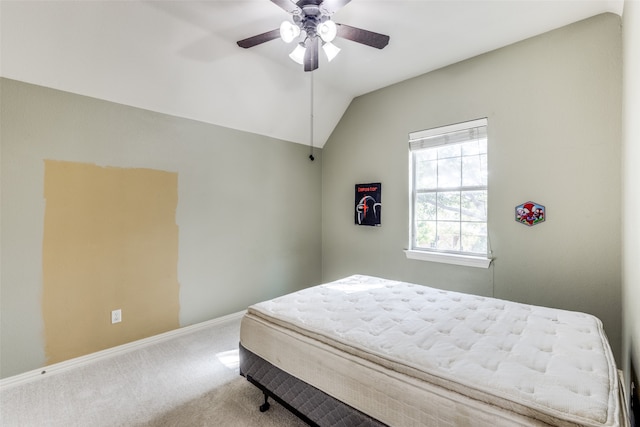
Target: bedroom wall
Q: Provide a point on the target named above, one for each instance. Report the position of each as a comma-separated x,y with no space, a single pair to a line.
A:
246,207
110,240
553,104
631,179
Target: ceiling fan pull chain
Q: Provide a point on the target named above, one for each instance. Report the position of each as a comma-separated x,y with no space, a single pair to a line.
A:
311,119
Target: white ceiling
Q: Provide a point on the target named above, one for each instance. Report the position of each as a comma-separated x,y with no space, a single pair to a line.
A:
181,58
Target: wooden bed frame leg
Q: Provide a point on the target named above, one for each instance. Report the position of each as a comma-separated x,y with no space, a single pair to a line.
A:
265,406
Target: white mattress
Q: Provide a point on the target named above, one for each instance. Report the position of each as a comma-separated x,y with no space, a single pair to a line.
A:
411,355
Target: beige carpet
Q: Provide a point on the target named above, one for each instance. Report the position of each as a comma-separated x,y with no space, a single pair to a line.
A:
190,380
233,404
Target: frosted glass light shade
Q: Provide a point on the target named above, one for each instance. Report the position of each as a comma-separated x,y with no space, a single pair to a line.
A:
327,31
289,31
331,50
298,53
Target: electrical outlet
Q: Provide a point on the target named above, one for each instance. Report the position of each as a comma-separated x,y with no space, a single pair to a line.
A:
116,316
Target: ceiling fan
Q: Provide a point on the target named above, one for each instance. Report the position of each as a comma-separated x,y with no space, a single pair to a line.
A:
312,23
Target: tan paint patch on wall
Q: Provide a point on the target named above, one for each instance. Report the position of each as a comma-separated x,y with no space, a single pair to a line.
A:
110,242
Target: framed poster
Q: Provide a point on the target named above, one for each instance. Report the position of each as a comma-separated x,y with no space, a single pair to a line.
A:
368,204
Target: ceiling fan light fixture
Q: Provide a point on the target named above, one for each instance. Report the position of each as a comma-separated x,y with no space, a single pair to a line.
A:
331,50
298,53
311,26
327,31
289,31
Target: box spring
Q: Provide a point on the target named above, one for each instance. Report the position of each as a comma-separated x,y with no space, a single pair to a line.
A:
308,403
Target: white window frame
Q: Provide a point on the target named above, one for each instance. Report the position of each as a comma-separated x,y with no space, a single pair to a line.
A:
432,138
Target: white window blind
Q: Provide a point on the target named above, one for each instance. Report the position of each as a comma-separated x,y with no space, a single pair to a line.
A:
452,134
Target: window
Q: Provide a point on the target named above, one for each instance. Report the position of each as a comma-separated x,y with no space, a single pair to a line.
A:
448,177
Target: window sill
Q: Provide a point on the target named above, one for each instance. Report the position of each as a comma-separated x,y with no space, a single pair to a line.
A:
465,260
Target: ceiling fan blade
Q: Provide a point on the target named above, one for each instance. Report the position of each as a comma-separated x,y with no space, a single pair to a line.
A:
333,6
287,5
359,35
311,54
259,39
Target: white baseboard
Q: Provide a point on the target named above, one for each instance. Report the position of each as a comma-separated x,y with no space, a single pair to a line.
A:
57,368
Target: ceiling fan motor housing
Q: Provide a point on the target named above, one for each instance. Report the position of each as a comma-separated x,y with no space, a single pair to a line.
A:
310,17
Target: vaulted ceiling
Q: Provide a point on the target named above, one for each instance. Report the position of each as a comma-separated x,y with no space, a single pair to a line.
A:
181,57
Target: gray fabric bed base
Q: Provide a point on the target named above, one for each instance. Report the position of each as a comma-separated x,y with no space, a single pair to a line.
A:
311,405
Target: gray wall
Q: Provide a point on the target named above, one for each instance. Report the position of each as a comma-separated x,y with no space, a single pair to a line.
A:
554,108
631,186
248,206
